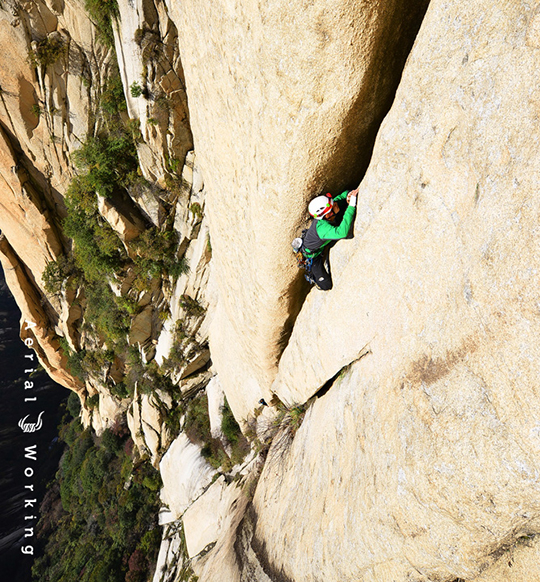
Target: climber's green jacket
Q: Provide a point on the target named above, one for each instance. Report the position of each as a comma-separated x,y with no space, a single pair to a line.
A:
322,232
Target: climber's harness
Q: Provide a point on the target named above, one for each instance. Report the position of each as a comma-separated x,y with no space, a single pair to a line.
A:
302,260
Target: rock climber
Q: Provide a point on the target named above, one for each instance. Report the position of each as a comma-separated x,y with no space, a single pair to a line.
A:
333,220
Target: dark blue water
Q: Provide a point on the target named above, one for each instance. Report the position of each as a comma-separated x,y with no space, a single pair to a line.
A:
23,480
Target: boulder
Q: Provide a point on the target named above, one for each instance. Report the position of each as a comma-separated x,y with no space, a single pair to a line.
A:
122,216
141,326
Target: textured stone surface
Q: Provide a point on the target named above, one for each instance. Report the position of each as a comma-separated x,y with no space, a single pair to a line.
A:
421,461
216,401
203,521
185,475
107,412
134,423
24,219
519,564
147,50
41,334
287,105
170,554
141,326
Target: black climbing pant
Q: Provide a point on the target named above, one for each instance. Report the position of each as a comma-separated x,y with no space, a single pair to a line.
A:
321,272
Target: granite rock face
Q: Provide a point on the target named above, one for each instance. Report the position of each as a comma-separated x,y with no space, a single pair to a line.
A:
147,47
185,475
421,461
44,115
282,105
418,457
35,323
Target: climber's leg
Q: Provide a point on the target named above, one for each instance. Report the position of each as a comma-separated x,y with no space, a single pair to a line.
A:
322,276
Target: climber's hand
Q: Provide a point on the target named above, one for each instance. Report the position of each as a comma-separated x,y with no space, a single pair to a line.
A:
351,197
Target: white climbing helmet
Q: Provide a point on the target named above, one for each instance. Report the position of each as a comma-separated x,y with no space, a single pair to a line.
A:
319,207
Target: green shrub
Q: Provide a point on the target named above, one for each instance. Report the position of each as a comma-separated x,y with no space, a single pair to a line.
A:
36,110
229,426
191,306
103,13
56,272
75,364
138,36
172,420
93,401
128,305
153,482
196,210
163,102
112,99
47,51
197,424
108,160
134,127
120,390
177,268
147,379
111,442
197,429
173,165
240,446
103,314
105,512
135,89
182,344
74,404
98,250
157,256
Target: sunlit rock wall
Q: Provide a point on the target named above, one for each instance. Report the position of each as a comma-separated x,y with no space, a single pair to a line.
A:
421,462
147,48
283,104
45,113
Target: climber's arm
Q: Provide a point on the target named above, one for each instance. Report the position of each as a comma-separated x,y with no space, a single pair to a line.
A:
327,231
341,196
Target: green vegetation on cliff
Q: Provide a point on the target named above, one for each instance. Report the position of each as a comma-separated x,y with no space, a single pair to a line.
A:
100,515
197,429
98,259
103,13
46,51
